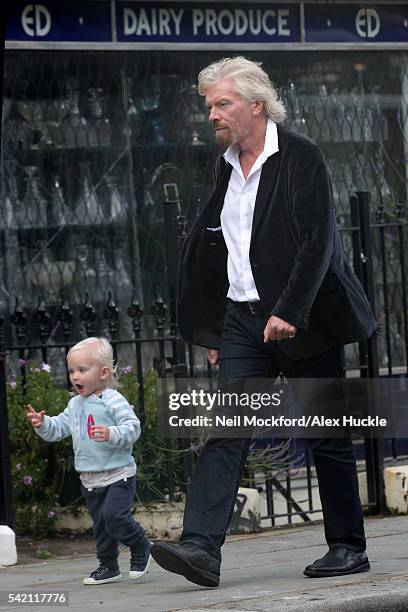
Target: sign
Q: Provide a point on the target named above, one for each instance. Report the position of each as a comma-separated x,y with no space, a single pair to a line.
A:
243,23
202,22
59,21
351,23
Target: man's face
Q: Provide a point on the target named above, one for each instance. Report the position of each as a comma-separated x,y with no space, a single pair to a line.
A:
230,114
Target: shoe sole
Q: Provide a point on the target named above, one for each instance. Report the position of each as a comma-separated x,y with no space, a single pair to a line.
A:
91,581
136,575
326,574
171,562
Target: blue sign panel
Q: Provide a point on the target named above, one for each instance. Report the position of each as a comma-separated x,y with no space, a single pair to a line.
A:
59,21
353,23
242,23
188,22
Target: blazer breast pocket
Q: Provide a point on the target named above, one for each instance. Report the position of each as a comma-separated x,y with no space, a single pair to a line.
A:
211,254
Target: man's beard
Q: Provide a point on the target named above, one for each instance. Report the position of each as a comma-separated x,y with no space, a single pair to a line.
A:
224,137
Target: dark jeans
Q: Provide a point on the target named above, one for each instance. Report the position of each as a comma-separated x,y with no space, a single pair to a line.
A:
109,508
213,490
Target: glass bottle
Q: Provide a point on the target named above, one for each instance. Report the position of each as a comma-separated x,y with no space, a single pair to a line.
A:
357,110
88,209
33,205
383,186
341,118
323,113
85,275
18,261
74,125
133,123
348,122
12,204
116,204
196,118
99,125
296,120
50,277
150,93
123,292
124,287
105,276
61,214
380,122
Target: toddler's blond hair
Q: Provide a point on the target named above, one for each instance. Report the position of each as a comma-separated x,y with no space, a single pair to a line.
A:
103,354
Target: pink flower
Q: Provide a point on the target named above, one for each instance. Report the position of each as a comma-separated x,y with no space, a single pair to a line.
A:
51,514
127,370
28,480
22,363
18,467
45,367
13,384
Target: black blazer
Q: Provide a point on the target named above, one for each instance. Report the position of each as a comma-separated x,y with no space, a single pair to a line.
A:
296,256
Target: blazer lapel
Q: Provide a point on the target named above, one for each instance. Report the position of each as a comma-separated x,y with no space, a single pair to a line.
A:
211,212
267,183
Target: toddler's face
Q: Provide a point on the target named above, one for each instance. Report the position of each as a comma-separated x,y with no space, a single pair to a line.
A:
86,375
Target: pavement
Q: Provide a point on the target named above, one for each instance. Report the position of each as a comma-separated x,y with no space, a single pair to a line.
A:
261,572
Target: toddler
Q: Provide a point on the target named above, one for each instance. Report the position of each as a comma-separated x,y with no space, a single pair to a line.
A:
103,427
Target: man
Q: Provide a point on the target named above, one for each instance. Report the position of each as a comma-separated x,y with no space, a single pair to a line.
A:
267,241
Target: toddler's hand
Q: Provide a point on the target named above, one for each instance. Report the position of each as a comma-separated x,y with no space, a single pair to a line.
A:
100,433
36,418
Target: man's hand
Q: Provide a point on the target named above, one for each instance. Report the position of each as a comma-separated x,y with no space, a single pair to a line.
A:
100,433
212,356
278,329
36,418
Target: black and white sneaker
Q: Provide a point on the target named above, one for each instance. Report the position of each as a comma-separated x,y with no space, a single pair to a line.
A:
103,575
140,560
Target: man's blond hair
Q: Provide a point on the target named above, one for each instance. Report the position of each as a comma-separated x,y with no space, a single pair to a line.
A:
251,82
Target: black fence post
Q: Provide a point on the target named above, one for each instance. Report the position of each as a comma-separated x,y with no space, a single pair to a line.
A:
42,316
19,320
88,315
6,507
363,264
111,313
159,311
135,312
175,228
171,246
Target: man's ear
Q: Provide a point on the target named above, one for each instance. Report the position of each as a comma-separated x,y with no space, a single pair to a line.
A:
258,107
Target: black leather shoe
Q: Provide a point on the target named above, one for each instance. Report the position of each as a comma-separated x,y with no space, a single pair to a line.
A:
338,562
190,561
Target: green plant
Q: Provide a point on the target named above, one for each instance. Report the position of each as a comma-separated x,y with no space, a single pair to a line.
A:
36,466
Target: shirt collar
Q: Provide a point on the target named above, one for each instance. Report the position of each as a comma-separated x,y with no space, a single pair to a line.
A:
271,146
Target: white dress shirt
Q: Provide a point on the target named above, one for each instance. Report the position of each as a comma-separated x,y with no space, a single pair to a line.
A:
237,216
